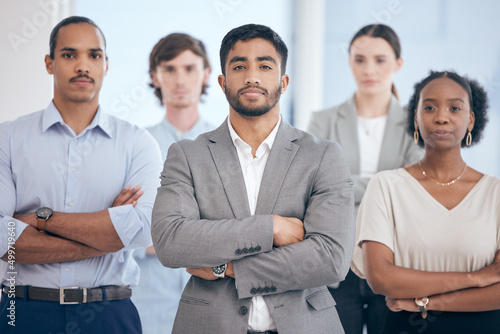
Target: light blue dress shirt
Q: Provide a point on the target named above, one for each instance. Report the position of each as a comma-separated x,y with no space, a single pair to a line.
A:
166,134
159,291
43,163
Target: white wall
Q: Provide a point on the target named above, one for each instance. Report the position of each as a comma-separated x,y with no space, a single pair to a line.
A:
25,27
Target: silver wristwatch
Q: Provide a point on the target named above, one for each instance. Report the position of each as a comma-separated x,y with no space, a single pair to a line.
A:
220,271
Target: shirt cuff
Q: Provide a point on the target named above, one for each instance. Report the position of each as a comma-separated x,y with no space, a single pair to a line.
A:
10,228
140,253
126,222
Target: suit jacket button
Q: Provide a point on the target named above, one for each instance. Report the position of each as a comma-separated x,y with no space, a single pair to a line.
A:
260,290
267,289
251,249
245,250
238,252
253,291
273,289
258,249
243,310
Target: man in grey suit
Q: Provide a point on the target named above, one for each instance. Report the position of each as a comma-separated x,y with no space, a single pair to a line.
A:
260,213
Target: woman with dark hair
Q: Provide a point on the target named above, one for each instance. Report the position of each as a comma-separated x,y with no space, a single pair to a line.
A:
370,127
429,233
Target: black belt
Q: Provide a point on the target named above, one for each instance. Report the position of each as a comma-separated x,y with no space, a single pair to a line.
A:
264,332
73,295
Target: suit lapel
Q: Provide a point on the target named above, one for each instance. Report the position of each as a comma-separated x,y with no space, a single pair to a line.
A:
228,165
347,128
281,156
392,141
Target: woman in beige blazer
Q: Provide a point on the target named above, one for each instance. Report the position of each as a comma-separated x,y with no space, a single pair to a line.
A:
370,127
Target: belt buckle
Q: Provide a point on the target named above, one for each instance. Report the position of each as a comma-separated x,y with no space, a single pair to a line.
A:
62,295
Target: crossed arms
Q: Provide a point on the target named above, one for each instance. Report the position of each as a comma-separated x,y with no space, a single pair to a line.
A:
183,238
447,291
72,236
125,224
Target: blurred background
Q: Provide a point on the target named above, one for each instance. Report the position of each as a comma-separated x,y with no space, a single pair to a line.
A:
435,34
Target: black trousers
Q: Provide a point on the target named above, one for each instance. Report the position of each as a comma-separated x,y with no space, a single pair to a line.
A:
358,305
442,323
18,315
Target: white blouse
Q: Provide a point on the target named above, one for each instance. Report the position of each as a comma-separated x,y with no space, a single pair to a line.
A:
370,136
423,234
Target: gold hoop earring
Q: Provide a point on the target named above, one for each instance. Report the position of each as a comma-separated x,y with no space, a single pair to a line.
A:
468,140
415,136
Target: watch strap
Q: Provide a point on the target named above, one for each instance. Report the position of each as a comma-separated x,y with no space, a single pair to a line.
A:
41,224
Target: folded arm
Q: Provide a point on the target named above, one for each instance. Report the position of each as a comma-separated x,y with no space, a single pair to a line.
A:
67,242
182,239
398,282
286,231
467,300
325,254
35,247
125,224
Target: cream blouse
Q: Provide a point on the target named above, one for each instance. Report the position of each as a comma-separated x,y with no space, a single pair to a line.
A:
424,235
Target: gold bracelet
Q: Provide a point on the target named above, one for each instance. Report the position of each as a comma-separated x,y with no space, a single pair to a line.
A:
422,305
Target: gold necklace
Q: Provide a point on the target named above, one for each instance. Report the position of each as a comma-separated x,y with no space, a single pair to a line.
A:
442,184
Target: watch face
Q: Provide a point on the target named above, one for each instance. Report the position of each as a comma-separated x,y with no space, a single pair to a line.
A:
44,213
219,269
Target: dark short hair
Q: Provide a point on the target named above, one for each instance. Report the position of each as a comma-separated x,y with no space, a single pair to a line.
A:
170,47
251,31
68,21
478,101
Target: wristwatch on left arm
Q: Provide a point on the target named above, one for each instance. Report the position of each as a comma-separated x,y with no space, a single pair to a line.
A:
422,305
42,216
220,271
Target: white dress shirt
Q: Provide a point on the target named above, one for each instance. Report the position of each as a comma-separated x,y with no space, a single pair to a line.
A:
253,168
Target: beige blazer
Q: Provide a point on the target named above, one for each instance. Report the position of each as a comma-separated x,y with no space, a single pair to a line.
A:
201,218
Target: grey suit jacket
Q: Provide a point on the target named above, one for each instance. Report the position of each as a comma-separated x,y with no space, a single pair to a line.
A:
201,218
339,124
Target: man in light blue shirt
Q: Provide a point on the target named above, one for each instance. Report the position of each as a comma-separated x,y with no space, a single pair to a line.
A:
78,187
179,70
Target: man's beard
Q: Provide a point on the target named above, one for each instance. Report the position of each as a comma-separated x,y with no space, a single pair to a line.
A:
246,111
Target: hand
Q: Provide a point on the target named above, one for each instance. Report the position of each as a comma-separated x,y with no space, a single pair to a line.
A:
397,305
287,230
28,218
150,250
128,196
488,275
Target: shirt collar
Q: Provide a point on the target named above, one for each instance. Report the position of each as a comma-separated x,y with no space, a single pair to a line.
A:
197,128
267,143
52,116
